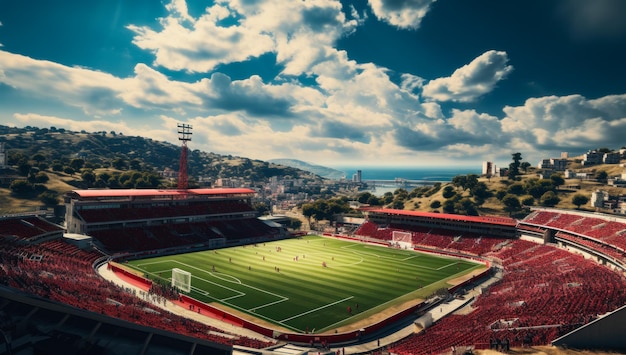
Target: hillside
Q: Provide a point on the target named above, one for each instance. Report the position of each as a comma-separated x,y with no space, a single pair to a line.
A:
494,206
322,171
64,155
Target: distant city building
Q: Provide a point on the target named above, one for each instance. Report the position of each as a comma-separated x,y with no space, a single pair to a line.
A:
592,157
611,158
559,164
489,168
569,174
544,164
564,155
357,176
556,164
598,197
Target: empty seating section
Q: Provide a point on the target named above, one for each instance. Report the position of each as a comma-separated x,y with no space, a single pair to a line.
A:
608,250
429,237
605,236
144,212
540,217
61,272
27,227
544,293
182,234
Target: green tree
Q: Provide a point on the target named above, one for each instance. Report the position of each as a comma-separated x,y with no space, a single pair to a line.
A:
602,176
38,158
514,166
119,164
471,181
77,164
528,201
549,199
517,189
448,206
557,180
89,178
49,198
41,178
294,223
480,191
435,204
579,200
448,191
363,197
524,166
459,181
21,187
135,164
511,203
373,201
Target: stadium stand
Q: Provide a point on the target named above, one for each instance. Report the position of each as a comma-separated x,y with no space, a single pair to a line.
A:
542,290
130,221
60,272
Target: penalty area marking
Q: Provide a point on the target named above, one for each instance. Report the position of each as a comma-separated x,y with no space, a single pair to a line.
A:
315,309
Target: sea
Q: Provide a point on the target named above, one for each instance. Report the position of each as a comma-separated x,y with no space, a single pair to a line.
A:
429,175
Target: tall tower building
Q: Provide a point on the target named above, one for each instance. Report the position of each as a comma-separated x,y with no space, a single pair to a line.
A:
489,168
357,176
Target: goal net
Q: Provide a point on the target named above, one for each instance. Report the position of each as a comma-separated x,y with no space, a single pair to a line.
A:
403,240
181,279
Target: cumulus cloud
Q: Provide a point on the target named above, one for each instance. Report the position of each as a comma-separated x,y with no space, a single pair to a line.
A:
300,33
250,95
203,45
573,121
471,81
406,14
93,91
464,127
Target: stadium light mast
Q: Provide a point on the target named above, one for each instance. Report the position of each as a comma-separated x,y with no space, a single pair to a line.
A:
184,135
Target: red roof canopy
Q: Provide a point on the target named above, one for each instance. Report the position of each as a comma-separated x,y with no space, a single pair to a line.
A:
155,192
455,217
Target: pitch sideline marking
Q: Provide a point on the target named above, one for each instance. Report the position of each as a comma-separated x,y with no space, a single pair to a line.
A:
315,309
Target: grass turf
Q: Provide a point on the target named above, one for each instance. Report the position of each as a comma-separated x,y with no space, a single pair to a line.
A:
286,283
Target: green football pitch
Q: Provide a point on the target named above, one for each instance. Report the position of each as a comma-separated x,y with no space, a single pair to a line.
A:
313,284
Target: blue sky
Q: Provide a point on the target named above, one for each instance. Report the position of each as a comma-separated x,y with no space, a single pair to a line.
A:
336,83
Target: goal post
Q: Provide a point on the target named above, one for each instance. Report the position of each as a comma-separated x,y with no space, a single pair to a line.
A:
181,279
402,239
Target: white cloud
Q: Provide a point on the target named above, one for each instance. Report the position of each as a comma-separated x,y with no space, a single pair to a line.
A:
554,122
406,14
201,46
300,33
471,81
93,91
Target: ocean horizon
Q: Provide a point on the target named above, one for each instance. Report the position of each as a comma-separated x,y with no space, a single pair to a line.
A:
434,174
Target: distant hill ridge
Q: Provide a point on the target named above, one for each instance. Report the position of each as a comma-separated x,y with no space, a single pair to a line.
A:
322,171
108,149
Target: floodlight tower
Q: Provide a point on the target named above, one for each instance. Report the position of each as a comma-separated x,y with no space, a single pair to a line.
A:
184,135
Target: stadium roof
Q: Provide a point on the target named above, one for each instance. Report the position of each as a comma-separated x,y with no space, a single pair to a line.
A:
454,217
155,192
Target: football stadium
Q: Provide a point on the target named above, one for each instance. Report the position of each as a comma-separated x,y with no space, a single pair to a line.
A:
196,271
